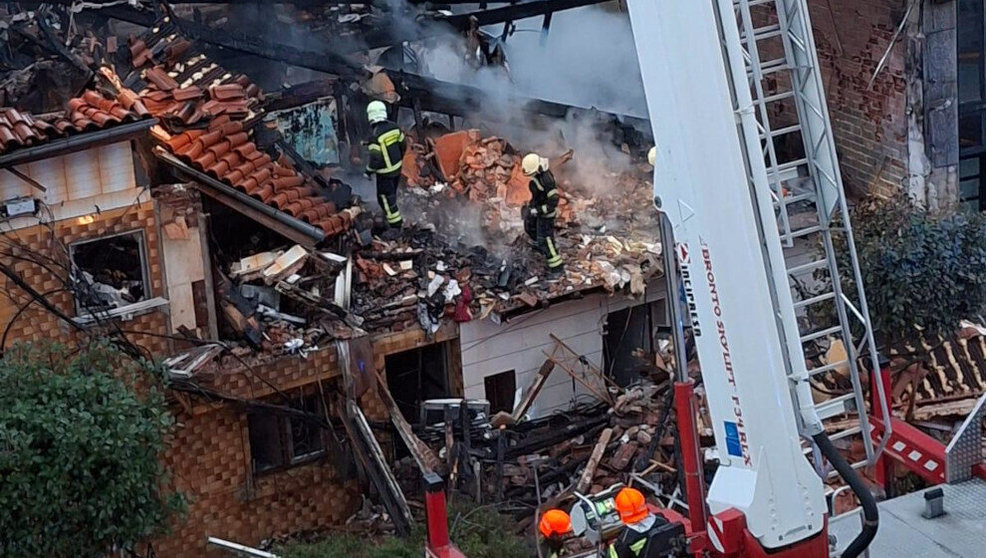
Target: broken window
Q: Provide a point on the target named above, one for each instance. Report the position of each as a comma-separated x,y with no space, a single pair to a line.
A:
630,339
278,441
418,375
110,272
500,389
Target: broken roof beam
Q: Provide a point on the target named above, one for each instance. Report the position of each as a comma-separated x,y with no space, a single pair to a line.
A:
321,59
513,12
434,95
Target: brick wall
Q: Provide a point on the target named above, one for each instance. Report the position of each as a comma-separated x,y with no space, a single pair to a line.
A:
210,452
210,462
35,323
870,123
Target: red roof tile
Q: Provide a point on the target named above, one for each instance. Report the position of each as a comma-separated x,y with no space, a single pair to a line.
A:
185,88
87,113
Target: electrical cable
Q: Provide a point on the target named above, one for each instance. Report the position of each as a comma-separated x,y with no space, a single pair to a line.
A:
871,515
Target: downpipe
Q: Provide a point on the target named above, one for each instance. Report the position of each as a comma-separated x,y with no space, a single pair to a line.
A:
871,515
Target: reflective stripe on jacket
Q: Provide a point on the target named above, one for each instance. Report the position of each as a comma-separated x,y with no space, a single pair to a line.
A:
544,193
386,148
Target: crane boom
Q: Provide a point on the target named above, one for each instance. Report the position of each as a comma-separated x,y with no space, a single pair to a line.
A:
731,264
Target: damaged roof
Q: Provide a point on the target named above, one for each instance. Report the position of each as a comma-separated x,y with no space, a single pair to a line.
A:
209,114
90,112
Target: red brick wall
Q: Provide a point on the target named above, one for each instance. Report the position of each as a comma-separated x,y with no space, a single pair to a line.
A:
36,323
209,460
870,124
210,454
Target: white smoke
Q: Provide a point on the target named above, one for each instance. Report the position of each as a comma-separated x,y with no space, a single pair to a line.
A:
588,59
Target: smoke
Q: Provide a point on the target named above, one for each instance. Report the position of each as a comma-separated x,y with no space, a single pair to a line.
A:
588,59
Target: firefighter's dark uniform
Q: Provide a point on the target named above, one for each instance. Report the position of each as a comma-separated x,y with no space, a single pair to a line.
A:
551,547
541,227
630,544
654,537
386,146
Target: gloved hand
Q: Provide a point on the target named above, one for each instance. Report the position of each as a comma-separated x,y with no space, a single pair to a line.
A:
534,212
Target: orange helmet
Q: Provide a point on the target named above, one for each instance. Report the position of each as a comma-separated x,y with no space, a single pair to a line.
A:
554,522
631,505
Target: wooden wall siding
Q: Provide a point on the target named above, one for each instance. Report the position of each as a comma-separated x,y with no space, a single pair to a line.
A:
520,345
78,182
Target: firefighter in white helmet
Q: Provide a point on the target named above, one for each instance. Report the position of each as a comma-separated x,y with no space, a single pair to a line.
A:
539,214
652,156
386,146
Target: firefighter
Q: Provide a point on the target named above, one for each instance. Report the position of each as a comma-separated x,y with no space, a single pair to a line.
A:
539,214
639,521
386,146
554,526
652,156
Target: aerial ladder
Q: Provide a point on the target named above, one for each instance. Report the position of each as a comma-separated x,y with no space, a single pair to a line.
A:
715,73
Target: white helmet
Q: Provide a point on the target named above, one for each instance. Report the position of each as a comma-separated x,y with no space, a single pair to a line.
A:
652,155
533,163
376,111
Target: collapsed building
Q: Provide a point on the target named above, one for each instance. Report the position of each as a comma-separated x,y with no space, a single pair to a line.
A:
176,205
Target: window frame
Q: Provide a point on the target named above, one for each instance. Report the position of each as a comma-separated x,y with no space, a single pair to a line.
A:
145,272
971,113
286,440
488,380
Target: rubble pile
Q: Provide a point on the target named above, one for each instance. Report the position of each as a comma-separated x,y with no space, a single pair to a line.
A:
285,301
627,440
467,255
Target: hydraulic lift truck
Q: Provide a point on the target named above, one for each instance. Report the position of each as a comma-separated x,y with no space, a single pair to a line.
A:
727,82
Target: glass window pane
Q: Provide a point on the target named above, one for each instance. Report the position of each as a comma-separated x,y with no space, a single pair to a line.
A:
969,189
306,436
970,130
970,79
969,168
265,441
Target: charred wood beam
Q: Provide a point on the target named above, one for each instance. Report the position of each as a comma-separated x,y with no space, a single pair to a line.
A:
300,3
493,16
322,60
425,27
301,94
432,94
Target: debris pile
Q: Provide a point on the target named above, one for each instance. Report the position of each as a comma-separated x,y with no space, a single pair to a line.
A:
612,435
469,191
287,301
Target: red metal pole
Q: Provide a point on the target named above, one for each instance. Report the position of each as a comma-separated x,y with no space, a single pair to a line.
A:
435,512
884,468
684,402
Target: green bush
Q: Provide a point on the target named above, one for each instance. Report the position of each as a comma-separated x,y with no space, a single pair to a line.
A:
79,453
919,268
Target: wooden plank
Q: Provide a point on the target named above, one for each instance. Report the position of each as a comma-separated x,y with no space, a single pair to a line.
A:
586,363
585,481
601,395
379,470
32,182
533,389
426,459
